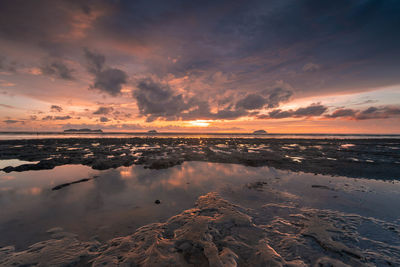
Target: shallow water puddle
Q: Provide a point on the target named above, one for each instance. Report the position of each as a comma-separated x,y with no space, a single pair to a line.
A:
14,162
115,202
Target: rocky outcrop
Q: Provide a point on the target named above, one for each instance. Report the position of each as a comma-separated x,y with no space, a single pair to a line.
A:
215,233
218,233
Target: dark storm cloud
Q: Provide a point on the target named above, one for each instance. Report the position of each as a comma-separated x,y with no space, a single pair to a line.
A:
103,110
56,118
278,95
261,40
57,69
251,101
12,121
104,119
106,79
47,24
95,61
158,101
344,112
269,99
212,34
56,108
228,114
384,112
310,111
378,113
110,81
6,65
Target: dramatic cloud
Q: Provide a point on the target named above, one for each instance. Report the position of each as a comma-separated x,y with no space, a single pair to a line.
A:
7,66
251,101
46,23
378,113
367,114
344,112
228,114
95,61
278,95
106,79
56,118
57,69
156,100
103,110
56,108
269,99
104,119
12,121
310,111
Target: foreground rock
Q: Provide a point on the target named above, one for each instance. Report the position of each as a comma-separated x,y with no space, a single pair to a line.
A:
217,233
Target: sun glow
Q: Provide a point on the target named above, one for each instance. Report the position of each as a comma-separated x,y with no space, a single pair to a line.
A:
200,123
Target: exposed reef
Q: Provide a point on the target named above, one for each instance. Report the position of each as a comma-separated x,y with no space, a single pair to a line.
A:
219,233
366,158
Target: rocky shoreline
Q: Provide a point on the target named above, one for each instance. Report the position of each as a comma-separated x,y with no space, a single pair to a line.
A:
217,232
364,158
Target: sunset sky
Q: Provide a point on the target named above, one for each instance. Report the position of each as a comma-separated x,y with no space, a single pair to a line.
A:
298,66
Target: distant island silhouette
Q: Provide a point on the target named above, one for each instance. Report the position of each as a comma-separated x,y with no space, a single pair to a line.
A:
260,132
152,131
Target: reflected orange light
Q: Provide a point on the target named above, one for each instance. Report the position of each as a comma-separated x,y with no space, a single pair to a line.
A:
126,173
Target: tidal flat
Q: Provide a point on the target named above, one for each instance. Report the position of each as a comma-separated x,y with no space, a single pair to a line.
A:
364,158
221,202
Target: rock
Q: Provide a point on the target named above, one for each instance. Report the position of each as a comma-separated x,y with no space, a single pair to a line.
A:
322,187
157,201
208,235
213,233
329,262
64,250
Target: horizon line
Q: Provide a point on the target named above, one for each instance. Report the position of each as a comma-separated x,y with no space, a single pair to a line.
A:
189,133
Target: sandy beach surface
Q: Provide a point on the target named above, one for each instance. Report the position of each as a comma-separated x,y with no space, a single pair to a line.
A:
199,202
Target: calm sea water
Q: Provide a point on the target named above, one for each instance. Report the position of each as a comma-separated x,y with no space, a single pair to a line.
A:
46,135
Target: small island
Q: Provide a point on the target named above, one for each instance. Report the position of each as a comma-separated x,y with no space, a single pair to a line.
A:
82,131
259,132
152,132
